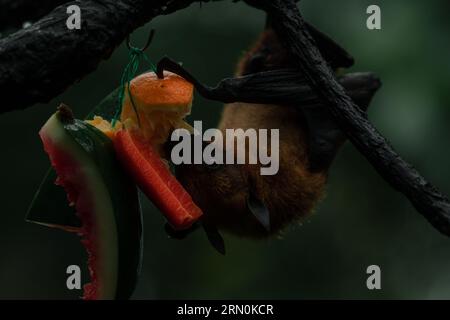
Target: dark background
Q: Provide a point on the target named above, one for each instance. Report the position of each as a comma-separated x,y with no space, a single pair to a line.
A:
361,222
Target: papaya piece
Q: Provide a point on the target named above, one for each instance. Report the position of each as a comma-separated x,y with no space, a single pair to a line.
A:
157,106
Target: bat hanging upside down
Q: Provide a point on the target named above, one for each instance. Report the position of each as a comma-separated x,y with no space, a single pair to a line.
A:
236,197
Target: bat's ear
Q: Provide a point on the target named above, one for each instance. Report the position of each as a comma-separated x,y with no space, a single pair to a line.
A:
325,137
259,211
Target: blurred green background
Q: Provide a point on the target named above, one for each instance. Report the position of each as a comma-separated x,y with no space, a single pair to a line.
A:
361,222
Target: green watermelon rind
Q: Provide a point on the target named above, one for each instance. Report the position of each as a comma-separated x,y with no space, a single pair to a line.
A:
116,211
49,205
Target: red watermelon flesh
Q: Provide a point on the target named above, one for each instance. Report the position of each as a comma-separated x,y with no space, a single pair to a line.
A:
78,194
154,178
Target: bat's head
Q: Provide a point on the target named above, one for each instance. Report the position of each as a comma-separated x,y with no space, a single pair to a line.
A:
224,194
266,54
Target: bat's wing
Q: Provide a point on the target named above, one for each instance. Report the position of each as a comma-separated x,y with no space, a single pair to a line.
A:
332,52
325,137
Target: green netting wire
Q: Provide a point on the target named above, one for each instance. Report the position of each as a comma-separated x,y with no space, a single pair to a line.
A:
136,55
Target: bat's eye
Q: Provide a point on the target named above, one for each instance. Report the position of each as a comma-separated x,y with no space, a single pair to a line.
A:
255,63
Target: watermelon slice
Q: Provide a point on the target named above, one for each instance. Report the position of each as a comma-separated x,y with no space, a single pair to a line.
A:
154,178
49,206
105,200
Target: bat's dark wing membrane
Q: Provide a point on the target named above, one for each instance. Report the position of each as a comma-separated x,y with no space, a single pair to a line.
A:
325,137
333,53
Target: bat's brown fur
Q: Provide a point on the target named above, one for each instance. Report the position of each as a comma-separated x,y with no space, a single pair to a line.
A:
291,194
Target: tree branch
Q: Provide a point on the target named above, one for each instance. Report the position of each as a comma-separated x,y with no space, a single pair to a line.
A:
290,27
40,62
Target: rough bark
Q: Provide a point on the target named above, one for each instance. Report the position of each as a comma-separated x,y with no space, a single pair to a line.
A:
40,62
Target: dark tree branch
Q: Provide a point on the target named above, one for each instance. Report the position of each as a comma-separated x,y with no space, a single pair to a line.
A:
13,13
290,27
40,62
